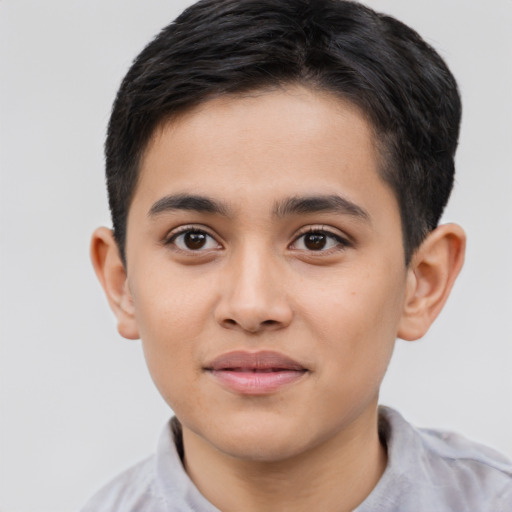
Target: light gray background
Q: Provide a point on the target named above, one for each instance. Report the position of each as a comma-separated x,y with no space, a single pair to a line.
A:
76,403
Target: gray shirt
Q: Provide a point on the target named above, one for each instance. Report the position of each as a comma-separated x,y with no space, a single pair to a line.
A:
427,471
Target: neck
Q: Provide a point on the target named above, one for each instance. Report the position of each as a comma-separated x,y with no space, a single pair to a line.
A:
336,475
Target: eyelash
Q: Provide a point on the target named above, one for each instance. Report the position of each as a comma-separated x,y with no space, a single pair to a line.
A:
184,230
341,243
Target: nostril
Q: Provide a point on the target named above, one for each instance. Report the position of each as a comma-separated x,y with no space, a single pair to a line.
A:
248,326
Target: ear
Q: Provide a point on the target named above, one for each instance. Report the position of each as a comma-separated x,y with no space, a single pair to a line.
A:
430,277
111,273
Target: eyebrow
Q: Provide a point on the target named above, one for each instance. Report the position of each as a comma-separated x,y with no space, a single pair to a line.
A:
321,203
188,202
291,206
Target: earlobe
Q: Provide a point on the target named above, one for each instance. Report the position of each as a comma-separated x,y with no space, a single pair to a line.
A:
431,275
111,274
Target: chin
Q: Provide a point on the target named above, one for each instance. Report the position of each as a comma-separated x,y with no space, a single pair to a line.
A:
259,439
264,449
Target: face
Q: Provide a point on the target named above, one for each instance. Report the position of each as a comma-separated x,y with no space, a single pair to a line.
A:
266,272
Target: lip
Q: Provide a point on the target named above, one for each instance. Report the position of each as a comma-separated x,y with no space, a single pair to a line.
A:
255,373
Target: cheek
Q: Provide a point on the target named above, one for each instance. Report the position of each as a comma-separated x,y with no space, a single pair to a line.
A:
170,305
171,319
360,301
356,318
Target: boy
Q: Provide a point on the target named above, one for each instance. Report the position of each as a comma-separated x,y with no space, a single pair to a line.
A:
276,173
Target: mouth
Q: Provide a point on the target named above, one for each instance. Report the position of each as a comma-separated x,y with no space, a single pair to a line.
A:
255,373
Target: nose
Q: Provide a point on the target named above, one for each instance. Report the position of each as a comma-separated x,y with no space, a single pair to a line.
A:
253,294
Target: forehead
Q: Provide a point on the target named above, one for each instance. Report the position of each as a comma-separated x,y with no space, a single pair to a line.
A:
286,142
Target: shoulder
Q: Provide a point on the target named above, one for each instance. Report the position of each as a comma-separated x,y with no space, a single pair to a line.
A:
432,469
157,484
134,490
477,472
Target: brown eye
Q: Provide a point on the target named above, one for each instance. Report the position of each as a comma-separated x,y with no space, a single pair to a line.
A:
315,241
193,240
319,241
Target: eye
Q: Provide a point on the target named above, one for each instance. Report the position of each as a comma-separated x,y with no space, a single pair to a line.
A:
319,240
191,239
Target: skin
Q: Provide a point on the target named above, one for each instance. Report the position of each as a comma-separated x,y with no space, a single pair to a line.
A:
259,283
